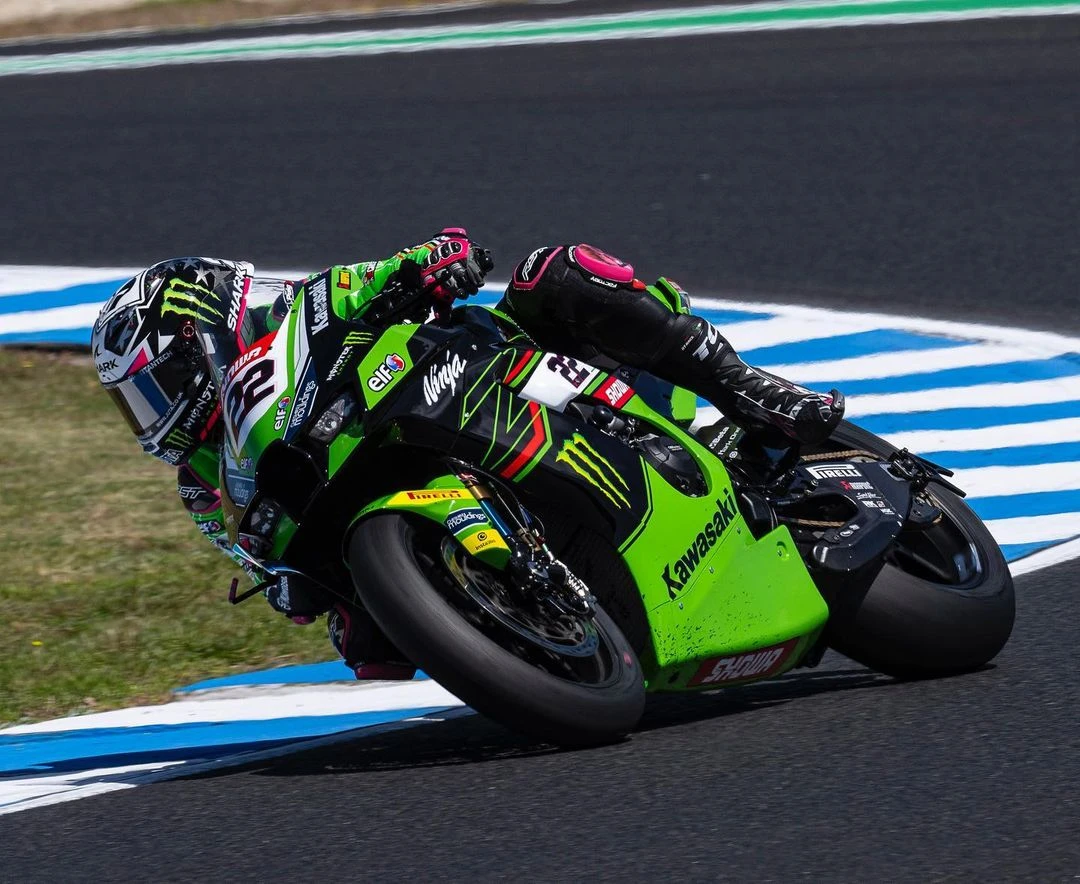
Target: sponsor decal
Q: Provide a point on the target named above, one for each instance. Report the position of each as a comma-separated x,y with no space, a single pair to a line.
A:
178,439
107,366
211,527
339,364
170,456
319,306
194,419
606,283
445,494
303,402
482,540
677,574
189,492
188,299
712,335
868,495
344,279
462,520
282,411
525,274
834,471
595,469
856,486
254,353
235,301
384,374
754,664
358,338
288,292
614,392
577,373
441,378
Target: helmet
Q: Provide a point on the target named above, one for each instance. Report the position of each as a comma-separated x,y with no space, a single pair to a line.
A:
148,355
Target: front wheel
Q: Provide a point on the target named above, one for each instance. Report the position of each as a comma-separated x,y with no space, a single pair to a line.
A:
565,679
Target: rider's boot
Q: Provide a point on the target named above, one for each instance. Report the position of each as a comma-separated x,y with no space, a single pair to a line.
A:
766,406
582,302
364,648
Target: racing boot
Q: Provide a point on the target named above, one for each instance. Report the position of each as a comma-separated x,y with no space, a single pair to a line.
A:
774,411
364,648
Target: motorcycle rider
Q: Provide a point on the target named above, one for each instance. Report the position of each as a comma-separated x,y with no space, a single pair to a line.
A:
572,299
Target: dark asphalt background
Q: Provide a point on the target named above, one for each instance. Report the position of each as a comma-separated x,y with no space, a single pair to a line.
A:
925,170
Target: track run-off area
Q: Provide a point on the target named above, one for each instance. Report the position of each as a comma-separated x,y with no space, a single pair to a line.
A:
883,208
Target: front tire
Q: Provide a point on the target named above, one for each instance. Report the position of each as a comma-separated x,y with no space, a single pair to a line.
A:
925,615
403,583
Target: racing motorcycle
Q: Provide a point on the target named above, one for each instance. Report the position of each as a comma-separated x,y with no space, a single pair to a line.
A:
549,540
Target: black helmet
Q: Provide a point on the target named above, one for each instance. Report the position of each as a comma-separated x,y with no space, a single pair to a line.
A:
148,356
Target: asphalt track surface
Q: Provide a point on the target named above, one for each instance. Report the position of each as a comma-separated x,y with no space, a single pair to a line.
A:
926,170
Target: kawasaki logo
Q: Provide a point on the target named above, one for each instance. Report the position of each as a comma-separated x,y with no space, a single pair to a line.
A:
595,469
318,305
188,299
677,573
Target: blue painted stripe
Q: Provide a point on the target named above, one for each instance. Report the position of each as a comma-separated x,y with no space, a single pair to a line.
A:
882,340
1000,373
312,673
59,336
967,418
1016,456
724,317
115,747
1039,503
88,293
1014,551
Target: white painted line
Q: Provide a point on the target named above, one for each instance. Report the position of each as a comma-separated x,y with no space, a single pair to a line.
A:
78,316
18,279
756,333
41,791
1035,529
902,362
260,706
1066,429
979,396
1050,341
994,481
1046,558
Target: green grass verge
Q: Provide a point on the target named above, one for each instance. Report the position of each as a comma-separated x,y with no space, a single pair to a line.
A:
108,595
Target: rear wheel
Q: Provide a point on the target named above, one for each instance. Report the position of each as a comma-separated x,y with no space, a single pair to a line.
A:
569,679
944,601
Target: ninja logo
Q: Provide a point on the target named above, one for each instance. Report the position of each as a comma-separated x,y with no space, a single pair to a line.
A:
676,574
443,377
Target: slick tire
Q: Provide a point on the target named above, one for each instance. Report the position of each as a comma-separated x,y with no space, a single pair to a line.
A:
910,627
437,638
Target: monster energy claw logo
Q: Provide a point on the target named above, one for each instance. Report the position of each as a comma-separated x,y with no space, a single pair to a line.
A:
189,299
592,466
178,439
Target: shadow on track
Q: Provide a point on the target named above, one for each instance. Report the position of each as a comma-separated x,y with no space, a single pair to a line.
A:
477,740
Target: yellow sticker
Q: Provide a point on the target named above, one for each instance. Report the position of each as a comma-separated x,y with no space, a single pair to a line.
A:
344,279
482,540
424,497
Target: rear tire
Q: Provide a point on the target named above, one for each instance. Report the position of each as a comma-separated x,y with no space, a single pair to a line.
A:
912,626
395,580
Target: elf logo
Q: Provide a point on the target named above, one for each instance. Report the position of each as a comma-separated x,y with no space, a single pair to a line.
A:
676,574
384,374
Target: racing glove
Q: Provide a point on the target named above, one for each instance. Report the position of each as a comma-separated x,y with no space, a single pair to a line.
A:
454,268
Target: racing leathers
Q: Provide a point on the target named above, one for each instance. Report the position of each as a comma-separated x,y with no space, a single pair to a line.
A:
573,299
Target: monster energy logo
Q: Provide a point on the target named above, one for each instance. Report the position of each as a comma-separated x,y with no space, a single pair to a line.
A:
178,439
356,339
189,299
594,468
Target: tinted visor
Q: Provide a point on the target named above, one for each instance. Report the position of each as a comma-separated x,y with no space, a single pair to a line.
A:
153,391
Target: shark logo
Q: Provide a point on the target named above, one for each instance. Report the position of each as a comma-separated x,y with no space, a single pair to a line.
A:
189,299
595,469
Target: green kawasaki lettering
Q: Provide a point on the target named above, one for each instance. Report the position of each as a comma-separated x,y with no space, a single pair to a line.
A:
676,574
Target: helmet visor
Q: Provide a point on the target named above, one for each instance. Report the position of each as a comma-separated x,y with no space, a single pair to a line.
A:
153,392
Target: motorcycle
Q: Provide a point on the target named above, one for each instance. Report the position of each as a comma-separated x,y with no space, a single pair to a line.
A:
549,540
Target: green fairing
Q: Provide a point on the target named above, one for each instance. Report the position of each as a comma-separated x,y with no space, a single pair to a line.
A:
374,367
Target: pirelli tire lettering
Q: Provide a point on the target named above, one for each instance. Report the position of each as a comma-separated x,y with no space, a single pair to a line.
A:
678,573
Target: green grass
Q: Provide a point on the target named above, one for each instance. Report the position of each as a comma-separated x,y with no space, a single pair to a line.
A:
109,596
